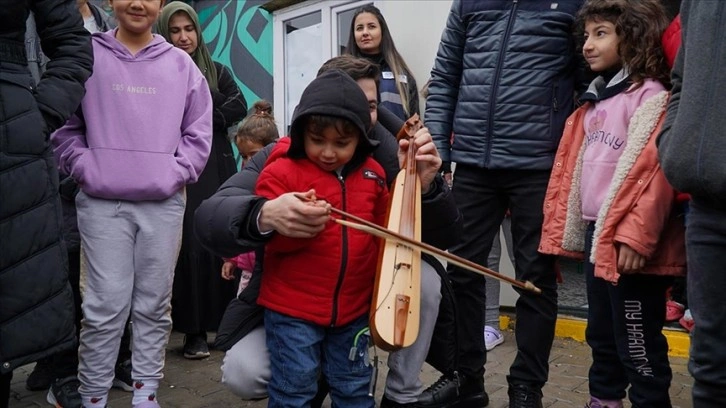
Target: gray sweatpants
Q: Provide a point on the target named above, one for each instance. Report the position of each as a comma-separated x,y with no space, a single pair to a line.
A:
491,312
246,366
128,254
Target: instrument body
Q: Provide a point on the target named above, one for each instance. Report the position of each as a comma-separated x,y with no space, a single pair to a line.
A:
396,304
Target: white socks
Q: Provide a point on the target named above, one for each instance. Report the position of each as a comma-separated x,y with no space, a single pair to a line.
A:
145,391
94,402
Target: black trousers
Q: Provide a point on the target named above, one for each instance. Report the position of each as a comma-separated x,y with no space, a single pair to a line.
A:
705,246
483,197
5,380
624,331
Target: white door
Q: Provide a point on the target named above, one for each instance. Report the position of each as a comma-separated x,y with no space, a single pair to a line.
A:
304,37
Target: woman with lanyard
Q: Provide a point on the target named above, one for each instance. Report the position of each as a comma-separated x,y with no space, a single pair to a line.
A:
200,295
370,38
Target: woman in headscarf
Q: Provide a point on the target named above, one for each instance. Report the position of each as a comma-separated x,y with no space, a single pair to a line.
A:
200,295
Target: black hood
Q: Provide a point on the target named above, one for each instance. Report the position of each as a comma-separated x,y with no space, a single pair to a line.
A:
333,93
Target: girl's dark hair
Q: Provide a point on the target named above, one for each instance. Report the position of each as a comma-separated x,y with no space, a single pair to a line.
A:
259,126
640,25
387,49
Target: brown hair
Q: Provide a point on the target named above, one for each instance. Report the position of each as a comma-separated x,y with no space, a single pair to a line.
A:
259,126
639,25
425,89
356,68
389,52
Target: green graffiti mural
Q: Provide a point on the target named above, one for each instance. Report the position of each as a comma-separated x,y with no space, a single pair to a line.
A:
239,35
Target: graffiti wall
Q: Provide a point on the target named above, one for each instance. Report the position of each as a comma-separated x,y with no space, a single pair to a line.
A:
239,35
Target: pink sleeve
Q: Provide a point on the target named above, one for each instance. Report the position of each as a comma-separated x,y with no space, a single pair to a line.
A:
245,261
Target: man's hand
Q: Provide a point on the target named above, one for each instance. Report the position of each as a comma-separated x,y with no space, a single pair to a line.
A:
428,161
629,261
294,218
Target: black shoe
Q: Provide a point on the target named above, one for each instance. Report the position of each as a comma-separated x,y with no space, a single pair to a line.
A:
123,380
63,393
387,403
42,376
323,391
195,346
454,391
522,396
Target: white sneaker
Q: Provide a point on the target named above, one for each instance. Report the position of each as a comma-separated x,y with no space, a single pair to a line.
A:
492,337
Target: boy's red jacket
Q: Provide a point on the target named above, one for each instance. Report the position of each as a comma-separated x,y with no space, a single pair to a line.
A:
328,279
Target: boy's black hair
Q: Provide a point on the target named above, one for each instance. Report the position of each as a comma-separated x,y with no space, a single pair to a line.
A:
333,94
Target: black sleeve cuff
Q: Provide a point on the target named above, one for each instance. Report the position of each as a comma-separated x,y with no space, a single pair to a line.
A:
446,167
251,227
435,189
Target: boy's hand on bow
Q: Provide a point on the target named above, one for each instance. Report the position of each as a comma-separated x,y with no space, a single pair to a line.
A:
629,261
295,218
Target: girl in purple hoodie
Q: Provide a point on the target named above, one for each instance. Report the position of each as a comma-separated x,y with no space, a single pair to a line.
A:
142,133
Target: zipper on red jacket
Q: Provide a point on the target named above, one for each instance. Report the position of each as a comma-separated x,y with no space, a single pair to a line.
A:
497,77
343,257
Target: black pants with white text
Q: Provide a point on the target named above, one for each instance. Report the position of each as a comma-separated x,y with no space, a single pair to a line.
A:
625,332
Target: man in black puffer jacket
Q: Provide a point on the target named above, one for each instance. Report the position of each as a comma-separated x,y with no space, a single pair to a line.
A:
503,83
36,316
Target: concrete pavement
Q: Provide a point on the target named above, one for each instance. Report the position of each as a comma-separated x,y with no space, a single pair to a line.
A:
197,384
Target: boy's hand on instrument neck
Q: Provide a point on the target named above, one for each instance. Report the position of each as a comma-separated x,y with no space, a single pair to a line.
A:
293,218
428,161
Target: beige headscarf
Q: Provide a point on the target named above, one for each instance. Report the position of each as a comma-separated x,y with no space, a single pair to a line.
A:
201,55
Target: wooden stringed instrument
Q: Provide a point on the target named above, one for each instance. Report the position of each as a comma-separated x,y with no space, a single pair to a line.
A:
396,304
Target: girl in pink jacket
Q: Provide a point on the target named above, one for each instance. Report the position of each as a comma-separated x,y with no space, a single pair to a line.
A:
255,132
609,203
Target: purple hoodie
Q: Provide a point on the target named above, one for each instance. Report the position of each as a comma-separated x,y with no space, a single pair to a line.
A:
144,128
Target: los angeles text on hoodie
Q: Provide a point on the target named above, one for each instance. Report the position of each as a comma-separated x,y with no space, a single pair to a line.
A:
144,128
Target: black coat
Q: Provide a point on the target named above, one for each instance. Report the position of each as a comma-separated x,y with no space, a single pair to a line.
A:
36,302
200,294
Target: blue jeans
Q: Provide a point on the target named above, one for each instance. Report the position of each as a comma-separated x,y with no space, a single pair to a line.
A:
300,351
706,246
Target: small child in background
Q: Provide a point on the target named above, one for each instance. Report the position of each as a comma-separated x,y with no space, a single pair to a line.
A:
609,201
317,291
255,132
